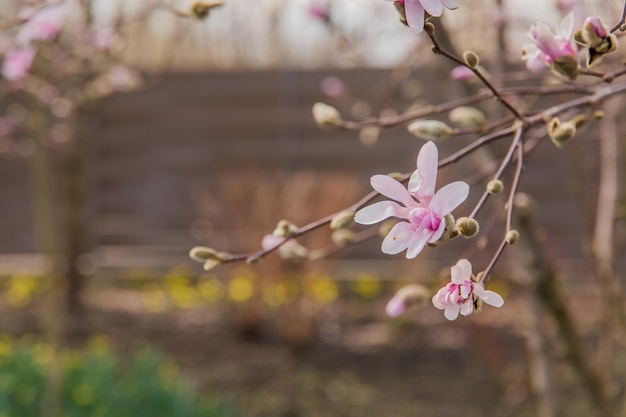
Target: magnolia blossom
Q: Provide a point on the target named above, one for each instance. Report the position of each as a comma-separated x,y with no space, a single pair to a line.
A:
422,209
43,25
17,63
460,295
548,46
416,10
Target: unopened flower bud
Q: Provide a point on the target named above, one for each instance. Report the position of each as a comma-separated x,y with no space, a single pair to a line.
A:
201,9
326,116
401,11
512,236
429,28
342,237
495,186
293,251
467,226
368,135
560,132
203,254
598,114
430,129
471,59
580,121
406,296
285,228
342,220
467,116
210,264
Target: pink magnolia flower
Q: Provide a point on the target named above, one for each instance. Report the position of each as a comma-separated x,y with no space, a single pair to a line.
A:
415,10
422,208
461,73
43,25
547,46
17,63
460,295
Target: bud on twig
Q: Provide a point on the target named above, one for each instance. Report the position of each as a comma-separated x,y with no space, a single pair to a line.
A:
342,220
471,59
201,9
430,129
467,226
467,116
326,116
560,132
512,236
342,237
285,228
495,186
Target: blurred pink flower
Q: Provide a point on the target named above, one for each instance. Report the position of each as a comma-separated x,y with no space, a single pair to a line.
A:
461,73
460,294
416,10
320,11
422,208
547,46
333,87
44,25
17,63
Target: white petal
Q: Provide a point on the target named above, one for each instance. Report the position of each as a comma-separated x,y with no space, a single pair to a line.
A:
398,238
567,25
452,311
464,272
434,7
451,4
423,187
489,297
449,197
391,188
380,211
418,241
467,308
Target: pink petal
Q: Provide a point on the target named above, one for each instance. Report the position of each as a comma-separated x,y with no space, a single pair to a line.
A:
414,15
452,311
398,238
395,307
380,211
449,197
418,241
423,181
434,7
391,188
489,297
439,232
